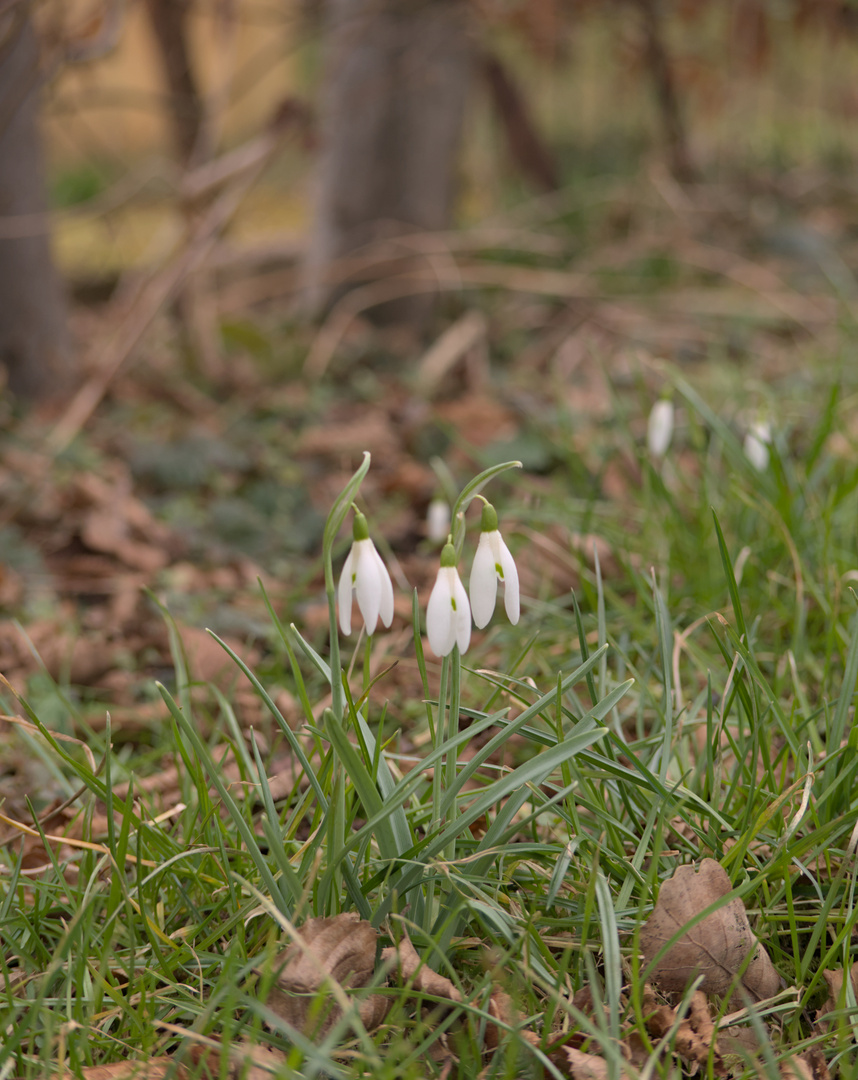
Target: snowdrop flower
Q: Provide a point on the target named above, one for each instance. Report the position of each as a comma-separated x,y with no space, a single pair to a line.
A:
364,573
659,429
438,520
757,444
448,614
492,562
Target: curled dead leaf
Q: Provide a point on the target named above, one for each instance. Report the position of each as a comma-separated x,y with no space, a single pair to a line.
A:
404,958
717,947
328,956
693,1034
503,1009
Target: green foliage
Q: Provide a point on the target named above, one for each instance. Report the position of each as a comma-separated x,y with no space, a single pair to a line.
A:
703,709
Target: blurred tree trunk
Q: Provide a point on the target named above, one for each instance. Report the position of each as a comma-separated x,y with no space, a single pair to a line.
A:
528,153
393,103
34,344
169,21
667,97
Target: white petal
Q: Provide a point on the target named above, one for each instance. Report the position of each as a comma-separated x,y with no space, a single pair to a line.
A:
660,427
509,572
757,445
344,594
440,628
462,614
367,583
438,520
385,606
484,581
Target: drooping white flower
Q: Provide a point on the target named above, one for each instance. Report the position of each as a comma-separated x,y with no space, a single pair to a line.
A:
659,429
448,614
757,444
438,520
365,575
492,563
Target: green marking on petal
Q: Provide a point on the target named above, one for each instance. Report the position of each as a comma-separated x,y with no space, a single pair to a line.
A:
498,570
453,603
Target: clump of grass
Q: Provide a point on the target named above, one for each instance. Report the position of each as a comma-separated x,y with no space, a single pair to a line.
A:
701,708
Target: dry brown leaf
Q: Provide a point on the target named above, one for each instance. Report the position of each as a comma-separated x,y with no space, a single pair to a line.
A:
503,1009
412,969
117,523
808,1066
367,428
694,1034
208,661
483,418
716,948
581,1066
246,1061
329,956
105,529
834,979
635,1049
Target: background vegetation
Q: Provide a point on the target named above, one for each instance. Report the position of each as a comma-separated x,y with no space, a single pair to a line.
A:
680,686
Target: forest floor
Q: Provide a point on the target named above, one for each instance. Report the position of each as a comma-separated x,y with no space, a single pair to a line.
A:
205,471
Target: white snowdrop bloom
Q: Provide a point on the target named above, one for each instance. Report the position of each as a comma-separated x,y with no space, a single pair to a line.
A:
448,614
659,429
492,563
438,520
364,574
757,444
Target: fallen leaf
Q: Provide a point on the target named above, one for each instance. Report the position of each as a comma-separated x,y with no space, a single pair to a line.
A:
328,956
581,1066
369,428
716,948
413,970
807,1066
834,979
484,419
694,1034
208,661
246,1061
503,1009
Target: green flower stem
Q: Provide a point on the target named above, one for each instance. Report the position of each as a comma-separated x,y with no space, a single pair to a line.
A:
469,492
336,666
450,765
432,906
439,771
336,823
335,520
367,657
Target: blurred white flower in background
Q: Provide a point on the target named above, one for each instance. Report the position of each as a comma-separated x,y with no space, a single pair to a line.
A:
659,429
757,443
438,520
